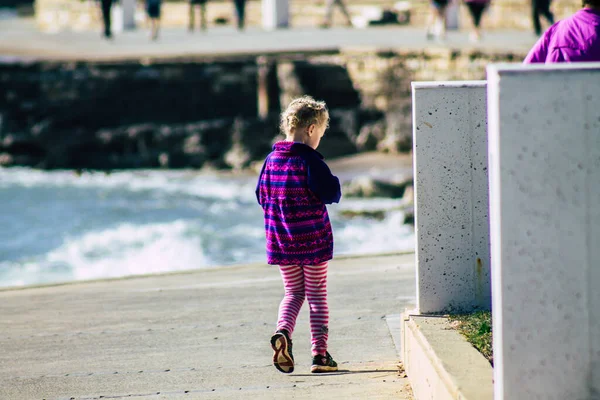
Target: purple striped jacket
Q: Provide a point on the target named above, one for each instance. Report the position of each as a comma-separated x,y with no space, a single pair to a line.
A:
293,188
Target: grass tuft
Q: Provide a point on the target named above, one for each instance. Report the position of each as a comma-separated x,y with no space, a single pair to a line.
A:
477,328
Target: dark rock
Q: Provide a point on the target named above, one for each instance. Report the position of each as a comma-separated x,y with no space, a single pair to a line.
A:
371,134
374,214
41,129
9,160
397,138
256,136
237,157
365,186
169,114
216,138
19,143
328,82
289,83
6,160
192,145
409,216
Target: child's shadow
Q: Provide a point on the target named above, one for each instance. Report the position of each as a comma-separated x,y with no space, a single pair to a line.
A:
347,372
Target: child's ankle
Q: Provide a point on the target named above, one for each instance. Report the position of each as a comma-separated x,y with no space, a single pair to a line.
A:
285,331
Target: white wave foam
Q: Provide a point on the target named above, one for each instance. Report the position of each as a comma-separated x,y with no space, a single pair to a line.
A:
202,184
131,250
19,274
370,236
125,250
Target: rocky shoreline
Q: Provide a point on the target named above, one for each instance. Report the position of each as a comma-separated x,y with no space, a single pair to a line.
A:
199,112
228,143
178,114
377,175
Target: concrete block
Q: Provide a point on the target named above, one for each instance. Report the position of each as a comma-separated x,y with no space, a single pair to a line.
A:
451,195
441,364
452,16
275,14
129,9
544,150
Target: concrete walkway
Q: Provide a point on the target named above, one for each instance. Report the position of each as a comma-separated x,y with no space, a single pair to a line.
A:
20,38
201,334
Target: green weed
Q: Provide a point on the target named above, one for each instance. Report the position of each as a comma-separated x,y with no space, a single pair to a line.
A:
477,328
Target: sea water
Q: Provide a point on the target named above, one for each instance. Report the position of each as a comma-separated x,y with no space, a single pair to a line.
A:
59,226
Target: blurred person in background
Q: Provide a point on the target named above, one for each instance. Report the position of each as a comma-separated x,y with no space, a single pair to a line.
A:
105,6
240,10
201,4
574,39
476,9
436,24
541,7
329,4
153,9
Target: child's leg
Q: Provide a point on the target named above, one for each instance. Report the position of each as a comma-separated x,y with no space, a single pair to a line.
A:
315,278
293,282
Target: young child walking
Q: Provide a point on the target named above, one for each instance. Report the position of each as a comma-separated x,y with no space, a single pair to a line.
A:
293,188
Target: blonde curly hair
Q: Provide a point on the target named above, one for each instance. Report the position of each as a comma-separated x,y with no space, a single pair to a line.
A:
303,112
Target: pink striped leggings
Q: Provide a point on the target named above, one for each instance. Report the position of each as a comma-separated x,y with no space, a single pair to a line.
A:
308,281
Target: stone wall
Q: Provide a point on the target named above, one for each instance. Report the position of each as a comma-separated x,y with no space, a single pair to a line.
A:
204,112
53,15
383,80
75,114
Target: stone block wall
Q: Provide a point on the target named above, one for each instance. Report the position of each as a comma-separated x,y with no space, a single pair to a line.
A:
176,114
59,114
53,15
383,80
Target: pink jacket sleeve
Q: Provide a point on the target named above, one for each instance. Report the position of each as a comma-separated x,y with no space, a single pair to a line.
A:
539,51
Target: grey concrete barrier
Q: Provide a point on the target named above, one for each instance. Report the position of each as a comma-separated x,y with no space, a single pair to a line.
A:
275,14
440,363
544,150
451,196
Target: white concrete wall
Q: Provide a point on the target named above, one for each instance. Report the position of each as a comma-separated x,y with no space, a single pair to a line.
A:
451,196
544,149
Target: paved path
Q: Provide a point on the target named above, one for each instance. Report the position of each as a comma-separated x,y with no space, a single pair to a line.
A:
202,334
18,38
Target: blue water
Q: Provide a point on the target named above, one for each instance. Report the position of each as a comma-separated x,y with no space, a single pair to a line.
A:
59,226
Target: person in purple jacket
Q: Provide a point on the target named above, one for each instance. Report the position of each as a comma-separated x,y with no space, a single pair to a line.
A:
575,39
293,188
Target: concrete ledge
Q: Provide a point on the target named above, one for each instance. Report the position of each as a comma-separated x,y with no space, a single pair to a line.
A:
441,364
